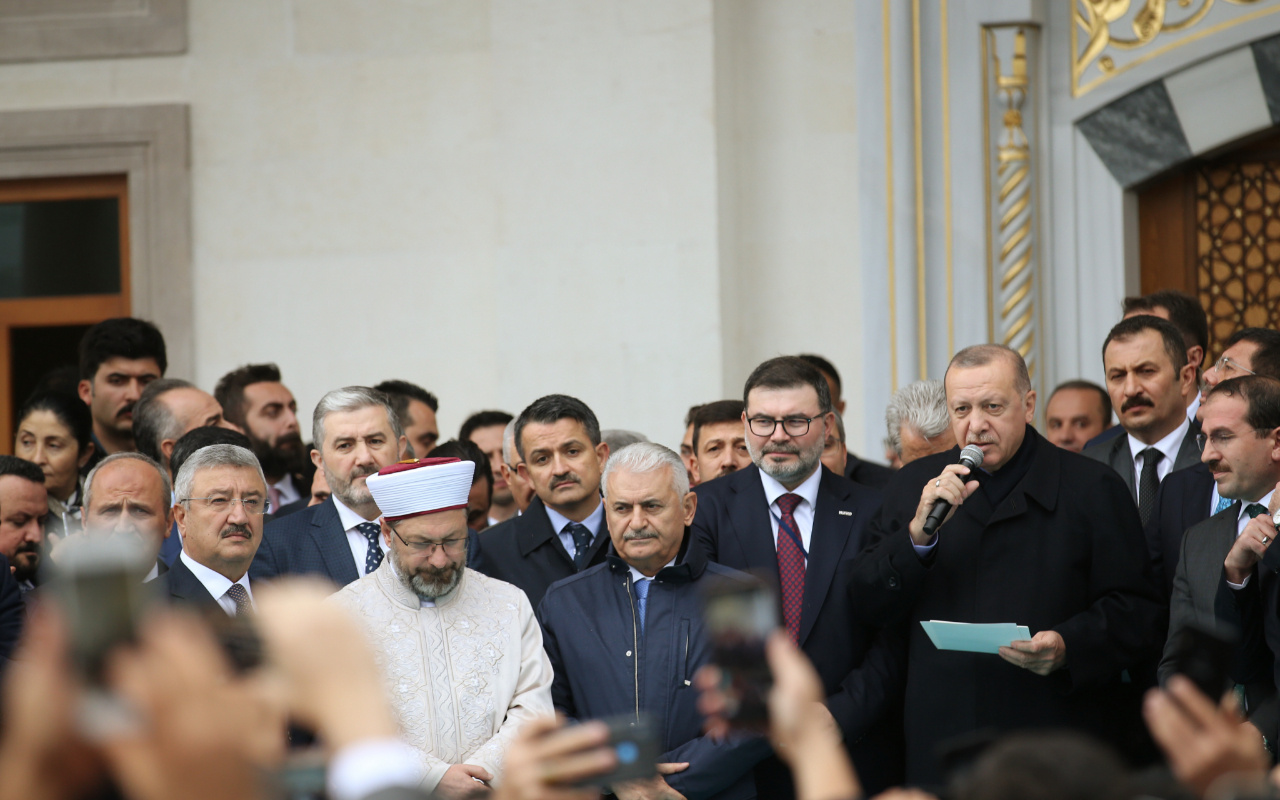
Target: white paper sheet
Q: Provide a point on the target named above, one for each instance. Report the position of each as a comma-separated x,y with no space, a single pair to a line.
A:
973,638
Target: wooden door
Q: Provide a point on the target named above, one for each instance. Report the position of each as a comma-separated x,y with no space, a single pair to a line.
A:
64,265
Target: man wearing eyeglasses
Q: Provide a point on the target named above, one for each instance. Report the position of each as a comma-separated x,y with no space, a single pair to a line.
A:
1241,450
789,517
461,652
221,499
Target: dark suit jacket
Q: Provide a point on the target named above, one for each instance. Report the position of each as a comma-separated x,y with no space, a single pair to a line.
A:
312,541
291,508
1183,501
180,586
525,551
1195,593
861,669
1255,612
1063,550
12,613
868,473
1116,453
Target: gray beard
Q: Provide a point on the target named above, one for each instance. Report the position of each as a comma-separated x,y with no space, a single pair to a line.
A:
427,588
803,467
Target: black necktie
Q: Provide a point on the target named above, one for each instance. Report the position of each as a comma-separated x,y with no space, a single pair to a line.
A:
581,543
1148,483
373,556
1254,509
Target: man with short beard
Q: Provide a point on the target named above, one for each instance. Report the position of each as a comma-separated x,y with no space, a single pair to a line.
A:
23,506
787,517
254,399
357,432
462,652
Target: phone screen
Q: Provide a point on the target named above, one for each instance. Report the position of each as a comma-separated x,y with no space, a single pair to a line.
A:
740,615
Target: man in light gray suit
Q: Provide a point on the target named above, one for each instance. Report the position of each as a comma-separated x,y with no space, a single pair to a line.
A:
1148,378
1242,450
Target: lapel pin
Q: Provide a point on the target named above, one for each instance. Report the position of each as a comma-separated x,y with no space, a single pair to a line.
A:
844,513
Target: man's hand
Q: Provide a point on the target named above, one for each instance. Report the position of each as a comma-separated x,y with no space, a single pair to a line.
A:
546,760
1042,654
654,788
949,486
459,781
1203,741
1251,545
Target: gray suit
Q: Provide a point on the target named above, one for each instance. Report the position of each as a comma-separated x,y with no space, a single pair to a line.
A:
1196,580
1115,453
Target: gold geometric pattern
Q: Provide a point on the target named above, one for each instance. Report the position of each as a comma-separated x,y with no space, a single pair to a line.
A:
1238,247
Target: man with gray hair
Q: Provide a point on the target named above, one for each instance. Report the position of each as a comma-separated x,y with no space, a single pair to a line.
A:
917,421
645,601
168,408
128,494
356,432
221,499
521,489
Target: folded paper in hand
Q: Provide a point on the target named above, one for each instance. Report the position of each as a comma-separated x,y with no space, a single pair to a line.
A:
974,638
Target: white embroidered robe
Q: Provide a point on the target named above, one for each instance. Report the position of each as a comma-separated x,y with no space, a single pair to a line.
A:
464,675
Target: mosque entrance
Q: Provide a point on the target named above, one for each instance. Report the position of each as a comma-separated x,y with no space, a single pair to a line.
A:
1212,230
64,265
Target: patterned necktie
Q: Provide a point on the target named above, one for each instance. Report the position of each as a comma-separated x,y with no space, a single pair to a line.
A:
581,543
241,598
373,557
642,600
1148,483
790,564
1254,509
1223,504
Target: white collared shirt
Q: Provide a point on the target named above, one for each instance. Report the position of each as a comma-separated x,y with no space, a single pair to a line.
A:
359,544
1168,446
288,492
637,575
1241,522
804,513
216,583
559,522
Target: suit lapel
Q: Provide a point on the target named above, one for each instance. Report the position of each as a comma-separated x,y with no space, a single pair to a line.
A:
1122,462
184,585
826,545
331,541
1188,452
749,511
535,531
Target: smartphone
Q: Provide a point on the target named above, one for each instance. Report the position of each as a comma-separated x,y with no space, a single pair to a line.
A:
635,742
740,615
1204,656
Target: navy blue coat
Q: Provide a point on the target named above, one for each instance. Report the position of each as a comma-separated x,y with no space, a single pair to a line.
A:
310,541
1182,502
604,666
862,668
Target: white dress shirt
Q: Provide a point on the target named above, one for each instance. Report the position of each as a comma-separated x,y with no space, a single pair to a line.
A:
1168,446
559,522
216,583
359,544
808,492
1241,522
288,492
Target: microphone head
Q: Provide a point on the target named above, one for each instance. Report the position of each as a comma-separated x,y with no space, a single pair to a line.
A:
971,456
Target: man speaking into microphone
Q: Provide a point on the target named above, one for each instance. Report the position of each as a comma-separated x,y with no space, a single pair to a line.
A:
1036,536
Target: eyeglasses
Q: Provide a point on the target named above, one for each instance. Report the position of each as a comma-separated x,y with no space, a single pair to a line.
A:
793,426
452,547
1221,439
254,506
1222,365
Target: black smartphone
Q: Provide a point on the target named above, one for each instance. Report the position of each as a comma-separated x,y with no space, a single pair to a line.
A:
740,615
637,746
1204,656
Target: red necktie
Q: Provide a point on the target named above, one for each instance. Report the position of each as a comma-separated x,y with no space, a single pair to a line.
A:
790,564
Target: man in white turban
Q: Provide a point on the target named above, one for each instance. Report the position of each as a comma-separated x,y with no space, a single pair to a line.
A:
461,652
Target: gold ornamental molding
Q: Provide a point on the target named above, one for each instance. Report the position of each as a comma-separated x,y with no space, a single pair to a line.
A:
1101,29
1010,193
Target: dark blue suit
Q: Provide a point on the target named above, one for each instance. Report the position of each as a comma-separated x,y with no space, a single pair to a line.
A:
180,586
606,666
12,613
1182,502
862,671
310,541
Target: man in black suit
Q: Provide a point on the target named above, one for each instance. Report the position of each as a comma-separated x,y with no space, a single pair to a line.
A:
128,494
719,442
563,531
1045,538
12,613
1189,496
916,422
803,525
1242,453
357,433
1149,378
221,499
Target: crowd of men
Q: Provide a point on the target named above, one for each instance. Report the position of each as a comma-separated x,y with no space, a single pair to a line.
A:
538,565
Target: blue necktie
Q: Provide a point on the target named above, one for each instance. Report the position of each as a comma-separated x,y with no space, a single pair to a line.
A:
1223,504
642,600
373,557
581,543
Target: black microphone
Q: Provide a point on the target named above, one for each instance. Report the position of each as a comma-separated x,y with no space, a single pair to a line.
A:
971,457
